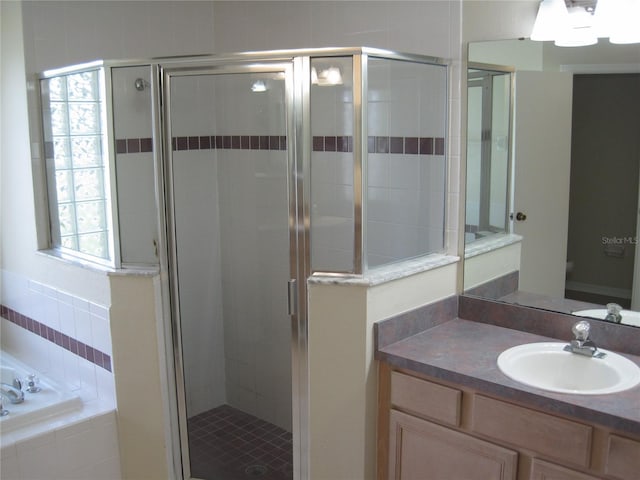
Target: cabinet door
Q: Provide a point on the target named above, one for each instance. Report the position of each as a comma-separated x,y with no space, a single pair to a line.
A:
541,470
422,450
623,458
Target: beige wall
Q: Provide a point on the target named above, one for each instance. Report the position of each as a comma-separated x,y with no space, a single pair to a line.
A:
343,372
491,265
138,373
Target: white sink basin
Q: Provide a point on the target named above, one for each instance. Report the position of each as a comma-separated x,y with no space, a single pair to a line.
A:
547,366
629,317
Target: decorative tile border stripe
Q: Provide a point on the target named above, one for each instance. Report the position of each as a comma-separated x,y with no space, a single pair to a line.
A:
380,144
71,344
134,145
327,143
230,142
332,144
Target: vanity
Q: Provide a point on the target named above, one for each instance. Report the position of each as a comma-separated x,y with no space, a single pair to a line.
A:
446,411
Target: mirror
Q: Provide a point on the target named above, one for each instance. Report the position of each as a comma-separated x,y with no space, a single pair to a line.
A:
488,151
572,189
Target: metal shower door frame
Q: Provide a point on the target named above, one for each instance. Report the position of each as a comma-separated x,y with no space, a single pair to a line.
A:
296,109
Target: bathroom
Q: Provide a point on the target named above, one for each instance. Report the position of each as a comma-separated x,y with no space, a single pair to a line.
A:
341,437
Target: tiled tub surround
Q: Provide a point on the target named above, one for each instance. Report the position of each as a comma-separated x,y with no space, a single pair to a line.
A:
463,348
51,400
67,339
74,346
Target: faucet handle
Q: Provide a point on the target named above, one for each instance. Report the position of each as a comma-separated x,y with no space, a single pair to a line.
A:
32,383
614,308
581,330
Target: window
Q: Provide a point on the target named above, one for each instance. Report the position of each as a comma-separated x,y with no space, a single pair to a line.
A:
74,128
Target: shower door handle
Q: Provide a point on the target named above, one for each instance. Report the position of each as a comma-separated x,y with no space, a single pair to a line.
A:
292,294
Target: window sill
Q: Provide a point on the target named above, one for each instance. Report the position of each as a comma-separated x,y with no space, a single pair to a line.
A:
128,270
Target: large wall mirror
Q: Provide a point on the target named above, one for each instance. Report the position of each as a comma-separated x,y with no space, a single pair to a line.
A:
570,175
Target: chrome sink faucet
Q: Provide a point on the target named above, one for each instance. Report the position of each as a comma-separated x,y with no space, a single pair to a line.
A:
11,393
582,344
613,313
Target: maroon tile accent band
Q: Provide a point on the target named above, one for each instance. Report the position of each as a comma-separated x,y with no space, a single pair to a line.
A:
230,142
381,144
76,347
134,145
326,143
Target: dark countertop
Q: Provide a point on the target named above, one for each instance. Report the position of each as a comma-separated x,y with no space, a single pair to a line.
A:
546,302
465,352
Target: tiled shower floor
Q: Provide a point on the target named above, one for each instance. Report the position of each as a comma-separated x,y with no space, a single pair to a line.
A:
228,444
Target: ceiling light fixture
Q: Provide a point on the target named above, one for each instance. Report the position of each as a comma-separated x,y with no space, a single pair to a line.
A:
583,21
328,76
259,86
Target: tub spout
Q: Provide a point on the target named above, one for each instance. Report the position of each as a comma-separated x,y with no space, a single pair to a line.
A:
11,393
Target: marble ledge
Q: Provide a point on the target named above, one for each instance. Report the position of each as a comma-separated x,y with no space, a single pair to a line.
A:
488,244
128,270
465,352
386,273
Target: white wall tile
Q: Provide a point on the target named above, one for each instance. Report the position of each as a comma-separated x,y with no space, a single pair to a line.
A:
378,170
49,311
37,458
70,363
88,380
100,334
404,172
82,320
9,467
67,324
56,366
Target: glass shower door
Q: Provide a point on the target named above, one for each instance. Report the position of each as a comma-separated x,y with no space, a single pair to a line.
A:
229,239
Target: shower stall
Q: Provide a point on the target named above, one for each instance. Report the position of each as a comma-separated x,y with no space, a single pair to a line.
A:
271,169
279,166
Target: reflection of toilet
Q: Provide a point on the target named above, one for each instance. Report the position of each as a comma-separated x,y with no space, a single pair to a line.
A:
569,266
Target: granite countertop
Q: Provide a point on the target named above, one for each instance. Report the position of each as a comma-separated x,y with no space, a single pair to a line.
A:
465,352
547,302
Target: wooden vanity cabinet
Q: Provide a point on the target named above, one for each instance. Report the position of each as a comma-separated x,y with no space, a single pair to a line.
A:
418,446
429,430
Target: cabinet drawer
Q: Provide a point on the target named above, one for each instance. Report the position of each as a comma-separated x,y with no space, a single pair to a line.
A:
426,399
548,435
623,458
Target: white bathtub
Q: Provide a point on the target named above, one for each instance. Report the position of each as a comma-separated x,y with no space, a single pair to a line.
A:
51,401
56,433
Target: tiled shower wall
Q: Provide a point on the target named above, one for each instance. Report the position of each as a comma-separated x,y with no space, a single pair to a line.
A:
134,173
198,245
405,162
254,215
407,102
231,215
332,220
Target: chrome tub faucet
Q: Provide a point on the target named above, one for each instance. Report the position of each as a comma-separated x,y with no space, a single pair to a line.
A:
11,393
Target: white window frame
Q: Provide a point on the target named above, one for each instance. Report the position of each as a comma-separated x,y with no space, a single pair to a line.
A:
44,176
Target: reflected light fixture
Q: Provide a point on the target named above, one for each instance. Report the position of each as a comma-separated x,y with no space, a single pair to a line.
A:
624,22
259,86
573,23
552,17
328,76
578,31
